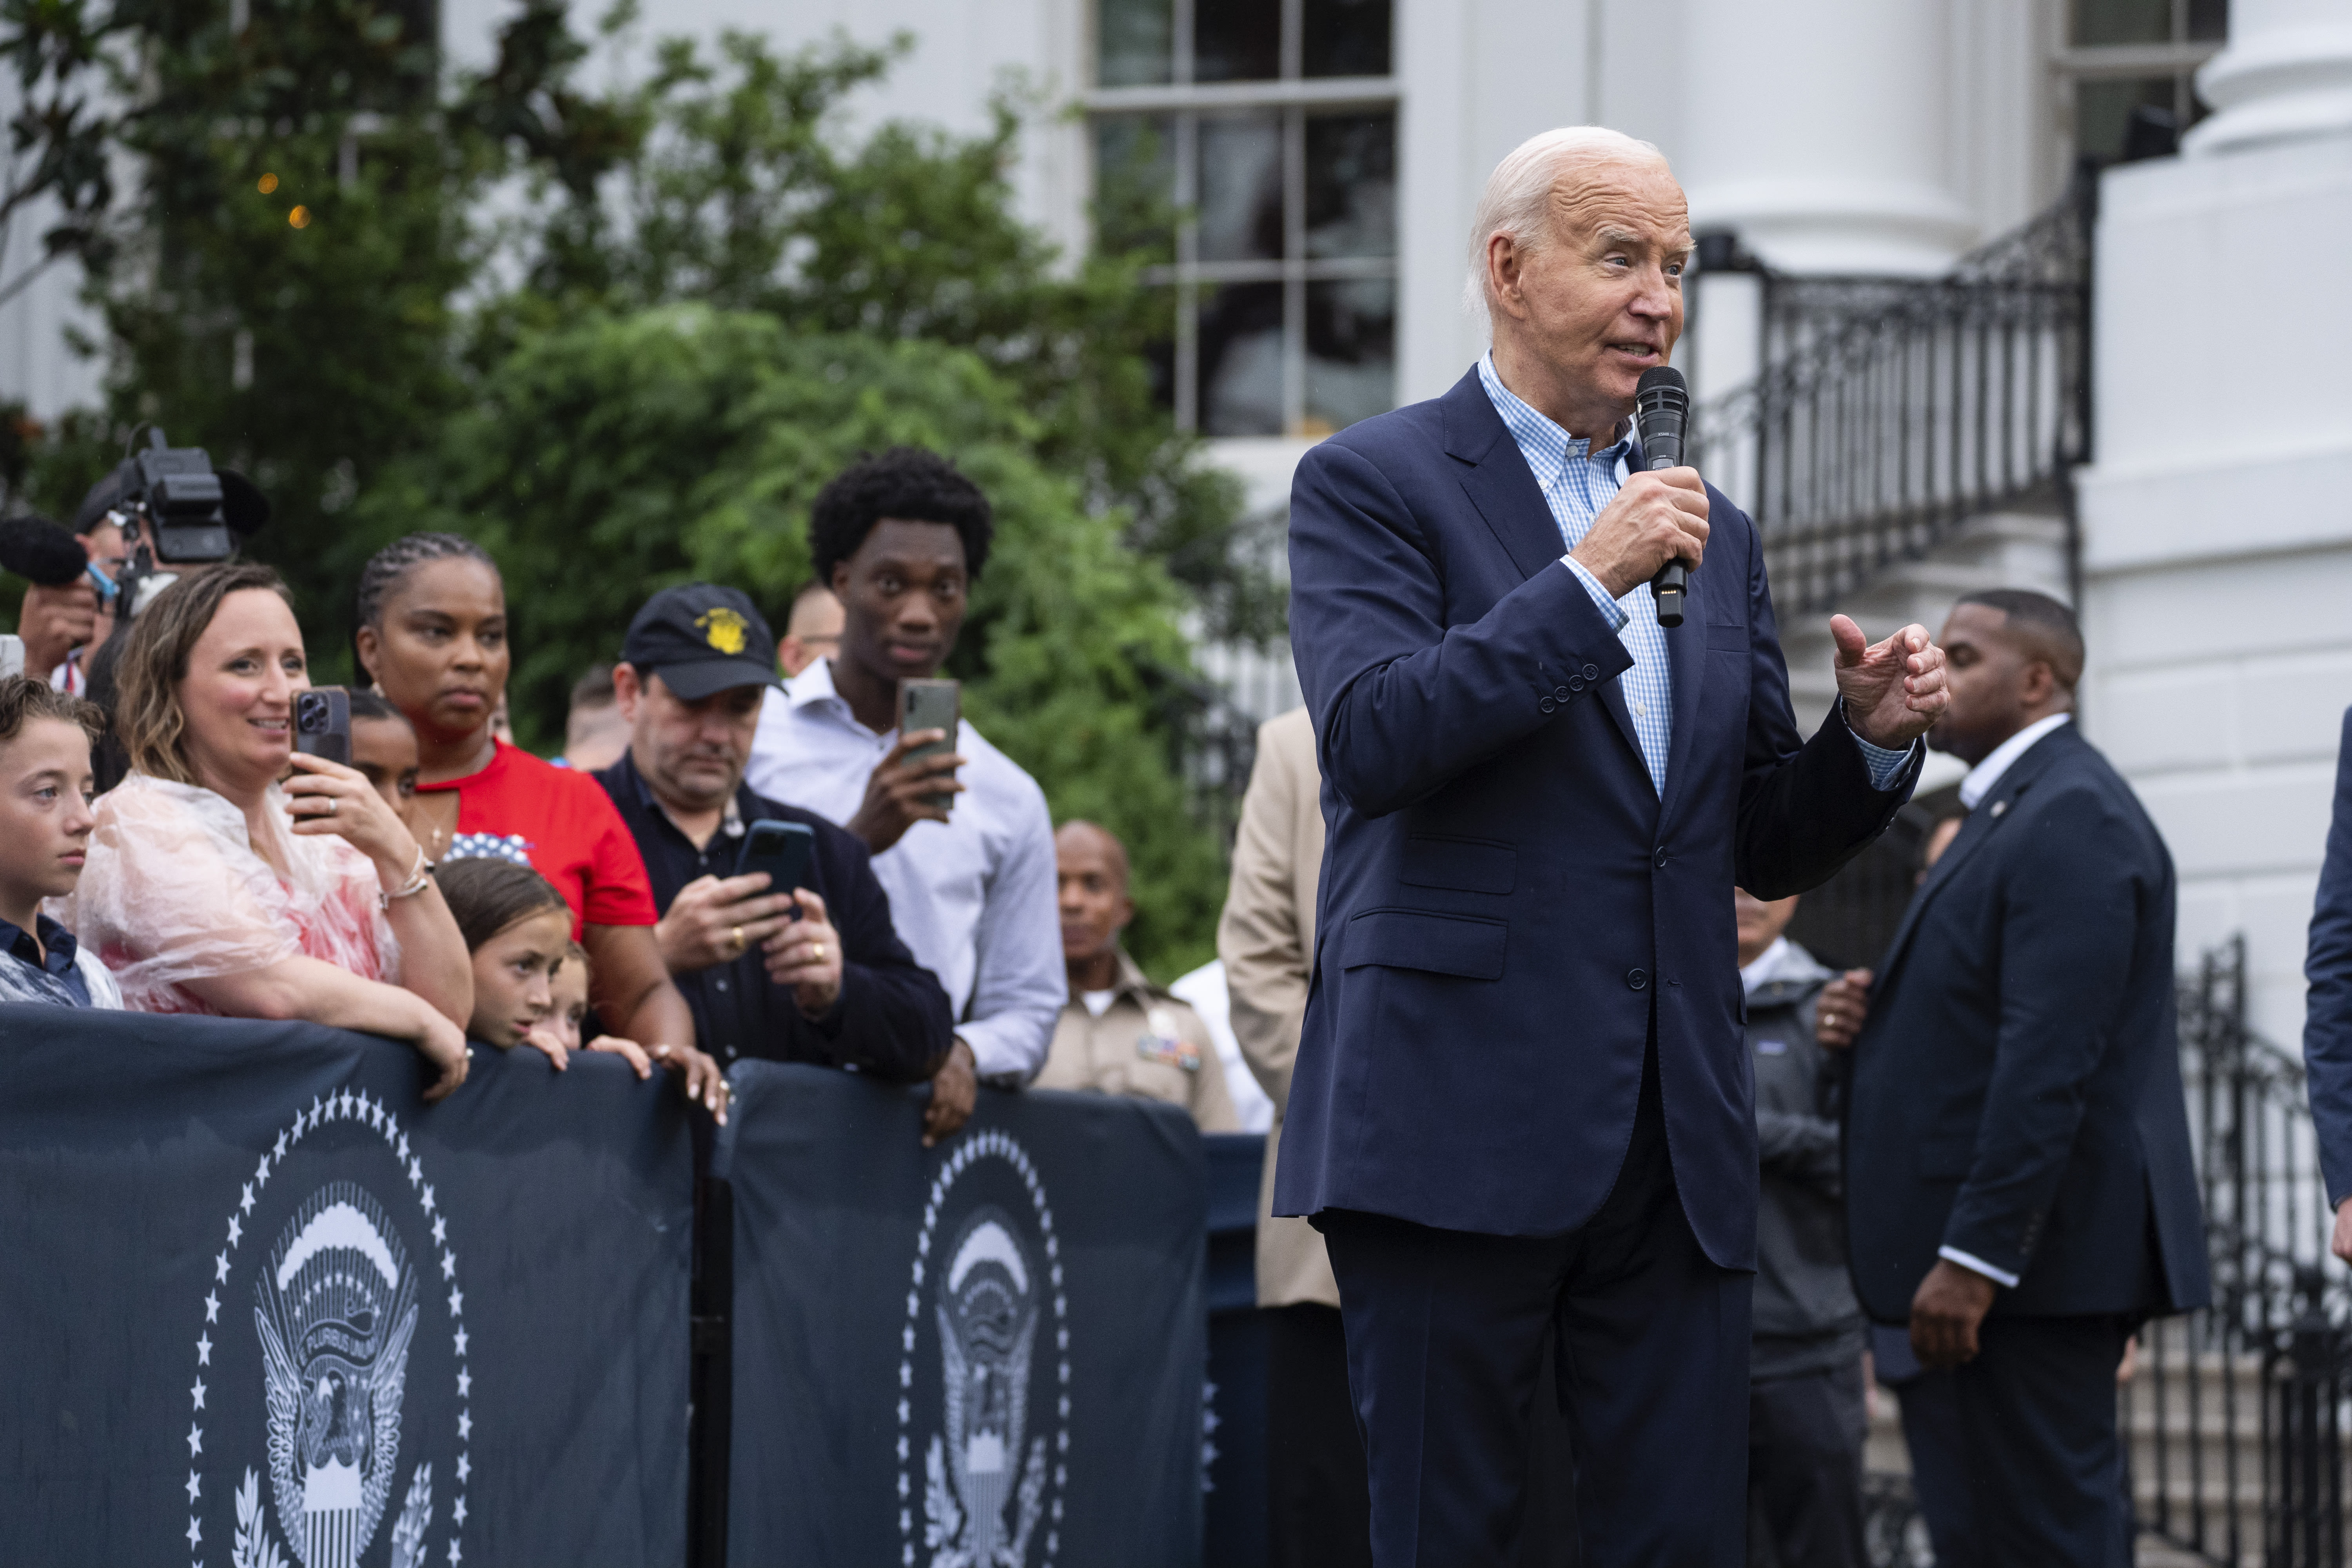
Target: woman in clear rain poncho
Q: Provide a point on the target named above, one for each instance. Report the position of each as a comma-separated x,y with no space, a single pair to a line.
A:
212,887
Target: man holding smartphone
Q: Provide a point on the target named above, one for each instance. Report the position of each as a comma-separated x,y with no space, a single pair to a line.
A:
961,836
813,973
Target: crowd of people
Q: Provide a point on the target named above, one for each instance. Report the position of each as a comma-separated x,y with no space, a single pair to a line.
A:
450,889
1523,1135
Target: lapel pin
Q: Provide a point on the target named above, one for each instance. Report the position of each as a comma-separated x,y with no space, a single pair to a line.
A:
1999,807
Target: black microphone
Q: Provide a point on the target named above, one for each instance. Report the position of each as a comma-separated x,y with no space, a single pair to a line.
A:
38,550
1662,413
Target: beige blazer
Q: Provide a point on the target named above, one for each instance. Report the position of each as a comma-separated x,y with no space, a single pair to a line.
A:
1266,939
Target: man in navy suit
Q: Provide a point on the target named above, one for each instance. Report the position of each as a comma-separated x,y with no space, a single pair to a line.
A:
2327,1007
2019,1184
1521,1093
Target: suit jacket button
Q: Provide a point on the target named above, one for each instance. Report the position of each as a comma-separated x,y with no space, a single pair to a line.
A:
1637,979
1592,672
1548,706
1661,859
1560,694
1576,683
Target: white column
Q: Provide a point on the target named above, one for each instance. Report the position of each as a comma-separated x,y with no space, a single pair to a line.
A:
1818,129
2286,77
2217,550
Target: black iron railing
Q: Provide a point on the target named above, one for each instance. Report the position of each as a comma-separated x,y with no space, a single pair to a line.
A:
1891,410
2238,1412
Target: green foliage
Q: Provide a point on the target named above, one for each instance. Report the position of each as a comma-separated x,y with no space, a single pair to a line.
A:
620,455
622,336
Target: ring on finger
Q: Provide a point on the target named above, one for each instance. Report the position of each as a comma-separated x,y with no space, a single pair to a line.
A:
331,804
736,938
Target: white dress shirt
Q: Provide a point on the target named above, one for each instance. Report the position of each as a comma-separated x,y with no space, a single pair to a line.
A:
1986,774
973,897
1974,788
1578,483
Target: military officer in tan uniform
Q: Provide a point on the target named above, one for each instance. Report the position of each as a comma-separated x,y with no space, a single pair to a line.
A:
1120,1033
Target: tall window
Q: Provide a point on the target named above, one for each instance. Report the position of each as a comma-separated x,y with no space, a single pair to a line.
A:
1254,143
2121,55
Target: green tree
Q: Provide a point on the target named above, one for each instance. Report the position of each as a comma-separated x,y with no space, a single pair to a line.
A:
397,302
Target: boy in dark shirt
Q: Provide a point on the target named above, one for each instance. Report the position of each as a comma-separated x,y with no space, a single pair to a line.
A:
46,789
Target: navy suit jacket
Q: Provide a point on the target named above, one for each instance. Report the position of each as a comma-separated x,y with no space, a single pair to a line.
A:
2017,1089
1505,896
2328,1008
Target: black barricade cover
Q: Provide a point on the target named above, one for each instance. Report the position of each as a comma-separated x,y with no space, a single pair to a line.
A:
988,1354
264,1309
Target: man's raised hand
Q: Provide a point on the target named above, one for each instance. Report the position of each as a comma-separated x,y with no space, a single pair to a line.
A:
1894,690
897,791
1655,518
716,919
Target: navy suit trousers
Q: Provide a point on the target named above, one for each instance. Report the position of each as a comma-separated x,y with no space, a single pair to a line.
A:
1446,1333
2016,1455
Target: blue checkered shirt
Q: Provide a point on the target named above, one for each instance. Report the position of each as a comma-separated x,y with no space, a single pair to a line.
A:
1577,483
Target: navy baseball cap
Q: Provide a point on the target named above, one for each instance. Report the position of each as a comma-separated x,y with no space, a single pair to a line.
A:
702,638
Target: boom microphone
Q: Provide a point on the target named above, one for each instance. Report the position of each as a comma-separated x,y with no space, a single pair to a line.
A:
39,551
1662,413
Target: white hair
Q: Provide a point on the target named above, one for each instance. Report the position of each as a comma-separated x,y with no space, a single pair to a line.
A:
1517,197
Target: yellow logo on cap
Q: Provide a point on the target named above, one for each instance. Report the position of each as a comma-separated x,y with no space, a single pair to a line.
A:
723,629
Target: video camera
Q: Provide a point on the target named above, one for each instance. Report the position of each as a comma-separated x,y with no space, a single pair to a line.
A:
175,509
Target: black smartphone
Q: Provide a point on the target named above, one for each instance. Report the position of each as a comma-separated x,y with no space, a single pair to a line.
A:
782,849
931,705
322,723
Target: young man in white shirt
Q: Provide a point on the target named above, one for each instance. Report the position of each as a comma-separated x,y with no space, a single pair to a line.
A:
900,538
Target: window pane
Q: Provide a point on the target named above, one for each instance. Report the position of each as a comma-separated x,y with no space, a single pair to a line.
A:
2209,20
1241,359
1350,352
1237,40
1135,184
1351,184
1345,37
1159,354
1136,38
2103,111
2122,21
1241,188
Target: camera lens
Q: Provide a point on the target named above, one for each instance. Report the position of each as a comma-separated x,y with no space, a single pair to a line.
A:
309,711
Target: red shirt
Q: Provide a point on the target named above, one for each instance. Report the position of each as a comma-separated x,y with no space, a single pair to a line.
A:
562,824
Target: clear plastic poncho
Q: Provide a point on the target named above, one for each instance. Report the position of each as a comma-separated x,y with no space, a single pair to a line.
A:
172,891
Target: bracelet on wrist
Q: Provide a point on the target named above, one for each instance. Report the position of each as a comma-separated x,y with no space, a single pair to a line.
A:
419,879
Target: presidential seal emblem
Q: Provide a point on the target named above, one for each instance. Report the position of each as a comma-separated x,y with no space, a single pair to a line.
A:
992,1430
311,1348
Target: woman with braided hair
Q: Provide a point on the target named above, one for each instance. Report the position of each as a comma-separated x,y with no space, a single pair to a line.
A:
432,635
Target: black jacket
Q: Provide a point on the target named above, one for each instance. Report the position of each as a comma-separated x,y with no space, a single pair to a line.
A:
2017,1089
1805,1314
892,1019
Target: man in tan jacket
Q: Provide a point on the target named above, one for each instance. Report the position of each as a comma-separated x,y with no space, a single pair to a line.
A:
1318,1504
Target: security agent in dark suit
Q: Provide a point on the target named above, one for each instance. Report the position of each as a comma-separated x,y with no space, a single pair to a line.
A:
2328,1008
2019,1184
1521,1092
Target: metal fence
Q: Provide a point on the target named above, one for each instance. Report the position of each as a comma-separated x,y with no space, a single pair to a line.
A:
2238,1412
1891,410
